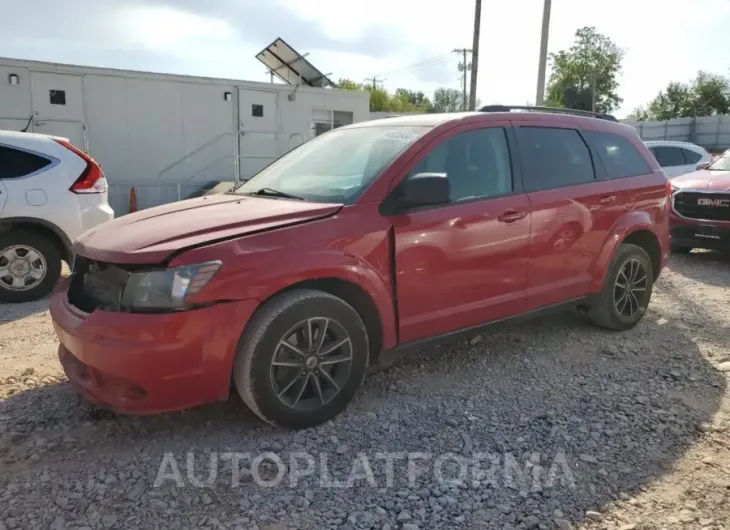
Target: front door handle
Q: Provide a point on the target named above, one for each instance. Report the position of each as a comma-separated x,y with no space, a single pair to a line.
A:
510,216
608,199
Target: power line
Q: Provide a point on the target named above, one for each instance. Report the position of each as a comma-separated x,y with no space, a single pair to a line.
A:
425,63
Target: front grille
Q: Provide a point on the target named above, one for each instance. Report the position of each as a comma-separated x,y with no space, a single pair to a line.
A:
96,285
707,206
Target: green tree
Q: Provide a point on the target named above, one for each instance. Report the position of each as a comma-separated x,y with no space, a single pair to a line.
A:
349,84
592,61
411,100
403,100
707,95
450,100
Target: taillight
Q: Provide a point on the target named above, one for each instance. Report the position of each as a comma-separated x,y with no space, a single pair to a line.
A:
92,178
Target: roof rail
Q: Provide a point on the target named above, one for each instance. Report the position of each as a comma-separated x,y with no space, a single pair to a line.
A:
554,110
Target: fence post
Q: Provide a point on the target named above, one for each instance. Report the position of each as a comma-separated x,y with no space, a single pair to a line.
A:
719,131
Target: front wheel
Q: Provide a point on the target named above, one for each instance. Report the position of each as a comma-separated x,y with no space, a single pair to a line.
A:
30,266
627,290
302,359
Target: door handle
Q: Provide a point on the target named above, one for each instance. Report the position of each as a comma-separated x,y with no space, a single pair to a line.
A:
510,216
608,199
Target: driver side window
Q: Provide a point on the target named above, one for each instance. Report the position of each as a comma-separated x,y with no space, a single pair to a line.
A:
477,164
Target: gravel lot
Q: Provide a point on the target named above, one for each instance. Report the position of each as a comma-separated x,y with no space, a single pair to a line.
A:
549,424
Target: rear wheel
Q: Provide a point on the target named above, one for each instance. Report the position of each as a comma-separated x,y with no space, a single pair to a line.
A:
30,265
302,359
627,290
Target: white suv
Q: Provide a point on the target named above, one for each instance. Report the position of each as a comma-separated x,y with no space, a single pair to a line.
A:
50,193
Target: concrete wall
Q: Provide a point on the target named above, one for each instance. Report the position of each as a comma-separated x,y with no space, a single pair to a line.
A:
158,132
711,132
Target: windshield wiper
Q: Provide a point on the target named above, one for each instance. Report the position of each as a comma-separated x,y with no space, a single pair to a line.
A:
271,192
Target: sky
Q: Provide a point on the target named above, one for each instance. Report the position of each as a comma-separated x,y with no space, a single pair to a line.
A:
408,43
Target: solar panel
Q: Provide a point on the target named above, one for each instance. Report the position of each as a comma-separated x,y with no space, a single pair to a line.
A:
287,64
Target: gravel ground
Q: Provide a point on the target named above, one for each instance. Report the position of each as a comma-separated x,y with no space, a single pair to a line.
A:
549,424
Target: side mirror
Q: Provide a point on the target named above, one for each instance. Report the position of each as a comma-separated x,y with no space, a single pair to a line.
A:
703,165
424,189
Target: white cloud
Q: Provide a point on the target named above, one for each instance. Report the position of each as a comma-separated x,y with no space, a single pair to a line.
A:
664,40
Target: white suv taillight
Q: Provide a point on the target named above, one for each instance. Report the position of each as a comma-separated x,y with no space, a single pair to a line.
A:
92,178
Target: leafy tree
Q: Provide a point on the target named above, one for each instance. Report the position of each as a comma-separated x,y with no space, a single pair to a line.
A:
450,100
349,84
592,60
403,100
410,100
708,94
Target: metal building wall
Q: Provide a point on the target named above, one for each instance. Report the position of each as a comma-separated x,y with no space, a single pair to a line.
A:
710,132
166,135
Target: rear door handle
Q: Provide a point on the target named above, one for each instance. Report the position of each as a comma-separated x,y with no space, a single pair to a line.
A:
608,199
510,216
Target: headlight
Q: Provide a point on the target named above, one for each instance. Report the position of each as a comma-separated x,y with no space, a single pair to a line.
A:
166,289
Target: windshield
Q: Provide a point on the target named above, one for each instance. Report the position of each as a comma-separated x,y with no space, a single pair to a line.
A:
722,163
337,166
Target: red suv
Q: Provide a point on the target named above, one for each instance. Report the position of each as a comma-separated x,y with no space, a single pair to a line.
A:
363,242
700,216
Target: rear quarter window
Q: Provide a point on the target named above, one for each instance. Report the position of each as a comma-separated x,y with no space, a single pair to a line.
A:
691,156
554,158
618,155
15,163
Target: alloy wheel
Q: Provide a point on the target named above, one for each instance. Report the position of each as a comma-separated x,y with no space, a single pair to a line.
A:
311,364
21,268
629,288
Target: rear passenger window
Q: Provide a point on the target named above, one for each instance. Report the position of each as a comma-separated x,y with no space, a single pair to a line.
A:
618,154
670,156
15,163
554,158
691,156
476,163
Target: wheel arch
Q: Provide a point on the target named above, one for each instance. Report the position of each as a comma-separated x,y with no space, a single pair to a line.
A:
40,226
352,293
636,228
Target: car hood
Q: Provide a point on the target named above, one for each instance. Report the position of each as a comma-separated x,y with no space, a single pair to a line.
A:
703,180
152,235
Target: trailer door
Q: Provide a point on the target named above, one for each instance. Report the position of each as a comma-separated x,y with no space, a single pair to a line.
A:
58,106
257,126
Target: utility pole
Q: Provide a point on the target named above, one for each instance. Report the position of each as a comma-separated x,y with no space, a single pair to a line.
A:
475,55
464,67
542,64
374,80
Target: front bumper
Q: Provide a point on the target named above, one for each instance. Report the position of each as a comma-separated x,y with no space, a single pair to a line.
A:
149,363
695,233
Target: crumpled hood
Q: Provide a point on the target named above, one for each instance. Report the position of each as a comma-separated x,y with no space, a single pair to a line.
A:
151,235
703,180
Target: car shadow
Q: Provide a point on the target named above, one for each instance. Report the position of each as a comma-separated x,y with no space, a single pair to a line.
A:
618,409
15,312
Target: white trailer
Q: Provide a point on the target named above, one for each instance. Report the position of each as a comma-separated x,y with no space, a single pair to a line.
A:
168,135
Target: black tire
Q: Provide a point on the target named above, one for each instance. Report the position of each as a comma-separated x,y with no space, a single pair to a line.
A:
680,250
254,375
51,255
604,311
